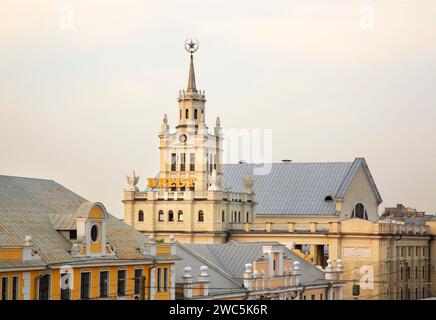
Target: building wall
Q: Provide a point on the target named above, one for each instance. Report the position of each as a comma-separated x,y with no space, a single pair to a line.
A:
55,292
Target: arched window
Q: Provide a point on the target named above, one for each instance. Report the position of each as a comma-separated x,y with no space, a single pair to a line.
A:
187,113
141,215
200,216
247,217
359,212
161,215
180,215
223,216
170,215
239,216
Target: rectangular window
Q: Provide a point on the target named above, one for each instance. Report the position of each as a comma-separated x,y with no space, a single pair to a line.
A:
195,113
312,297
423,272
85,285
417,251
173,161
159,277
121,283
15,281
410,251
165,279
44,287
138,279
104,284
187,113
223,216
192,162
320,296
73,234
182,162
5,284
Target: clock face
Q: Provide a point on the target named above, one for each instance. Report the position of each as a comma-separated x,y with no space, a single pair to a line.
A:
183,138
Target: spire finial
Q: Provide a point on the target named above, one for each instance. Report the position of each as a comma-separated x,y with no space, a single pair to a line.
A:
191,46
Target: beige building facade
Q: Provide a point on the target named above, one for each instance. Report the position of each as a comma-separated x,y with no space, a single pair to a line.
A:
320,210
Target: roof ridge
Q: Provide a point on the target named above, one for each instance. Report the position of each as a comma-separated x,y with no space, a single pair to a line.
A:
30,178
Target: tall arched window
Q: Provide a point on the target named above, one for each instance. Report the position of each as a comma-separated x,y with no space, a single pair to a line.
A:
200,216
359,212
180,215
170,215
161,215
141,215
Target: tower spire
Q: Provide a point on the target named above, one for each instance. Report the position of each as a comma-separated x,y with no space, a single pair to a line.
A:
191,79
191,47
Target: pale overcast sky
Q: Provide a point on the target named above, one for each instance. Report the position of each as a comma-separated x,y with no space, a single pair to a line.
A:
82,96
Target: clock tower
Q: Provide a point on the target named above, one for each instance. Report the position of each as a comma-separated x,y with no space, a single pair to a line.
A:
187,199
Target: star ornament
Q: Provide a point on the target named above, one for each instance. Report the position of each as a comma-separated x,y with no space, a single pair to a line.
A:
191,45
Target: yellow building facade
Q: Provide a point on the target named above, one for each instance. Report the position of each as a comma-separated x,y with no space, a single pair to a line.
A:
54,245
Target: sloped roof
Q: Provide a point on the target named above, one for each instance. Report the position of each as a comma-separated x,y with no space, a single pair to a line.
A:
39,207
296,188
227,262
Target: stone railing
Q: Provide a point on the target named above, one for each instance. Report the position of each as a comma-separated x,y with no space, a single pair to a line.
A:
190,195
382,227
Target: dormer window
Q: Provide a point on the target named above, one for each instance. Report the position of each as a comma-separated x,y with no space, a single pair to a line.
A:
328,198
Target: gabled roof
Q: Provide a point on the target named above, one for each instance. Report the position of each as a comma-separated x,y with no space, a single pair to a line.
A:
296,188
39,208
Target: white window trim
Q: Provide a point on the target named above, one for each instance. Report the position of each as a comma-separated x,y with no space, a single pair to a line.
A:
89,287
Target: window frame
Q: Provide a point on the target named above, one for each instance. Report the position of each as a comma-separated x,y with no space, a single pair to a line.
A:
170,216
107,285
140,216
4,294
89,284
161,216
137,282
16,289
180,215
200,214
118,283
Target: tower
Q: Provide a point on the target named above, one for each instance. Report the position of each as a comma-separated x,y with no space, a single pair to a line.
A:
186,198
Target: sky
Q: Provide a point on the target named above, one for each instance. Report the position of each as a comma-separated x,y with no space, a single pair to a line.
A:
84,85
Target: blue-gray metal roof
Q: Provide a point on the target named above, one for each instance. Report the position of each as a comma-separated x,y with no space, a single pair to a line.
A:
230,259
295,188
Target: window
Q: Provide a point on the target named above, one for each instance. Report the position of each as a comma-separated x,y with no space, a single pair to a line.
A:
94,233
401,273
320,296
161,215
173,161
104,284
84,285
410,251
401,294
138,279
73,234
200,216
416,272
182,162
239,216
359,212
195,113
180,215
141,215
247,217
170,215
312,297
44,287
15,280
5,289
223,216
165,279
66,285
408,273
423,272
121,283
416,293
159,277
192,162
187,113
418,251
211,163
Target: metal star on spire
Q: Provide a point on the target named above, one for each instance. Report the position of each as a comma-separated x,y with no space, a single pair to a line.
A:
191,45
